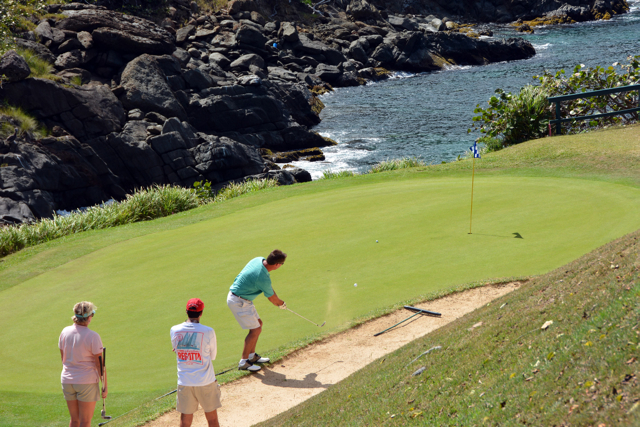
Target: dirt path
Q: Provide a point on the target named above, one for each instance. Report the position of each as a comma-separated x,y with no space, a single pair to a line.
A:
311,370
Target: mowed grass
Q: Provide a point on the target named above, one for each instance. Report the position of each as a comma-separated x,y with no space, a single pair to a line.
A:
498,367
141,275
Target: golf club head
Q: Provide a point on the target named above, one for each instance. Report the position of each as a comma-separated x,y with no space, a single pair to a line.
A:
104,416
323,324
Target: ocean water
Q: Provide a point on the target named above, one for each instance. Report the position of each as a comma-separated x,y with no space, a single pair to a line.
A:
427,115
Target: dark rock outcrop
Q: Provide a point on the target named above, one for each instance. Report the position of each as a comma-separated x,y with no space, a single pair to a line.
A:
85,111
145,87
160,104
116,31
13,67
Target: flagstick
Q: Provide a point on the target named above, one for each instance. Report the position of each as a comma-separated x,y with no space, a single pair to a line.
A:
473,173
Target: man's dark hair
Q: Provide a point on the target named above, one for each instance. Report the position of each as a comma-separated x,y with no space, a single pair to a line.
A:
276,257
194,314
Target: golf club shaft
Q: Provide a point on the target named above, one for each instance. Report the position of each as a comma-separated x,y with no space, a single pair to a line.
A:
302,317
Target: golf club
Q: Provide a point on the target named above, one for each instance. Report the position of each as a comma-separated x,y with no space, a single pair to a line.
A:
103,375
320,326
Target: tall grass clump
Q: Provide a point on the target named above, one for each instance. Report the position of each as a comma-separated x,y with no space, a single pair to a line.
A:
395,164
39,67
329,174
145,204
238,189
206,194
20,119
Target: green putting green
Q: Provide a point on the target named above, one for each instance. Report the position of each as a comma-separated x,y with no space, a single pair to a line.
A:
141,285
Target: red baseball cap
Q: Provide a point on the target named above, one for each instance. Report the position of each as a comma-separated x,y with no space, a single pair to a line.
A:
195,304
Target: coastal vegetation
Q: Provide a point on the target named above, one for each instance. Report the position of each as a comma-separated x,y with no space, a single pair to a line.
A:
143,205
513,118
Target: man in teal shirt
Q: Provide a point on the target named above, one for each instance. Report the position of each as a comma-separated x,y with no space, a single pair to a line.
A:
253,280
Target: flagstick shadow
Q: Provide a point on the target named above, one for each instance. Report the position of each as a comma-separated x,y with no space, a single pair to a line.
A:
515,235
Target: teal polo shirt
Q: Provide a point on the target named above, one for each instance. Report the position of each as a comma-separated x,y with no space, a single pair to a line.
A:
253,280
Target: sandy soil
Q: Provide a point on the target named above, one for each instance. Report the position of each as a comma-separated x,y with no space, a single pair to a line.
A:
311,370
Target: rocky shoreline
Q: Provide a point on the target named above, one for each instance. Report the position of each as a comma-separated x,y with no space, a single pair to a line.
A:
222,98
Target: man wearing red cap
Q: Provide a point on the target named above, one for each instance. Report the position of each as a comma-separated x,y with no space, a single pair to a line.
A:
195,348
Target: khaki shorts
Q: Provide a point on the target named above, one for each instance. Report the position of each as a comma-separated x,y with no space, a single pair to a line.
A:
188,398
244,312
81,392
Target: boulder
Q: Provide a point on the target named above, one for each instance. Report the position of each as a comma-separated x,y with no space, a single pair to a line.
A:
249,35
85,111
300,175
85,39
288,32
117,31
46,33
13,67
146,87
219,59
221,159
328,73
357,51
184,32
198,80
246,61
237,109
39,49
361,10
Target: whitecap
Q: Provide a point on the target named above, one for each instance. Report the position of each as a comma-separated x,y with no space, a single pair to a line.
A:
542,46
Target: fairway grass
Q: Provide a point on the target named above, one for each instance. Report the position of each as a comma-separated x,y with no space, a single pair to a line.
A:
141,275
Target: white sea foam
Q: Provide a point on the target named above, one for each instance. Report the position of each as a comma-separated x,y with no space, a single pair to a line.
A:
401,75
542,46
449,67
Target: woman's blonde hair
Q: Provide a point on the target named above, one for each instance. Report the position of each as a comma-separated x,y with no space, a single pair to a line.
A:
82,311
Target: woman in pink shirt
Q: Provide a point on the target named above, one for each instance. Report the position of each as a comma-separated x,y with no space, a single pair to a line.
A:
80,349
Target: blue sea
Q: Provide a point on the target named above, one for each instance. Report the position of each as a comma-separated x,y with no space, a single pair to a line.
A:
427,115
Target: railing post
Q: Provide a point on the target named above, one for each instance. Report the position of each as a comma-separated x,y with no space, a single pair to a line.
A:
558,124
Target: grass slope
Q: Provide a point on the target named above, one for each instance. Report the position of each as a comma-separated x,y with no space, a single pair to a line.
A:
497,367
141,274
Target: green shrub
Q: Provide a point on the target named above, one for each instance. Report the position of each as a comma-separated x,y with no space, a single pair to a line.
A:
585,79
512,119
329,174
146,204
395,164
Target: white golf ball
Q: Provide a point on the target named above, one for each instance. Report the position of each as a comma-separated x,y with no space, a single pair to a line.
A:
376,241
355,284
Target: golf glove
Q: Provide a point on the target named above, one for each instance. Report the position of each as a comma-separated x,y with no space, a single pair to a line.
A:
283,306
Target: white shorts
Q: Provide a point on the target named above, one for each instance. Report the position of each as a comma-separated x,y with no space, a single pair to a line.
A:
244,311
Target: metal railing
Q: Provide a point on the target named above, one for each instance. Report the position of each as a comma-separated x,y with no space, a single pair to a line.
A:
557,99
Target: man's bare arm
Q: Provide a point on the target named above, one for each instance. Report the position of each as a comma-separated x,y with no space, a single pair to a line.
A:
275,300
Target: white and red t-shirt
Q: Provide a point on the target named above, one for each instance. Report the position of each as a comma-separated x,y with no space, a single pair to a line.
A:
195,348
78,345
